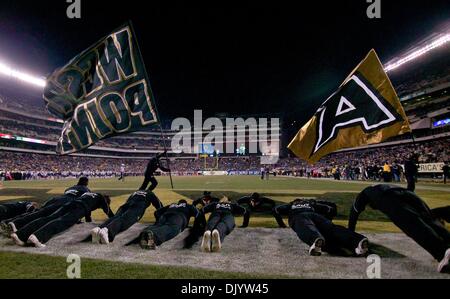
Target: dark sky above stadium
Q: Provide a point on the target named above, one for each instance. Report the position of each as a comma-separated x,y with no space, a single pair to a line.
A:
240,57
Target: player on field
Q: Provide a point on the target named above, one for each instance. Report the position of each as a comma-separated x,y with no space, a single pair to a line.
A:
205,200
13,209
171,220
411,214
411,171
127,215
49,207
122,172
41,230
153,165
221,223
257,203
442,214
446,171
311,221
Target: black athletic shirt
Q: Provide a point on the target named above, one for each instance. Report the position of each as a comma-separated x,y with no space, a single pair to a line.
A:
410,168
262,204
380,197
70,194
148,197
18,207
205,200
324,208
153,165
442,213
91,202
183,209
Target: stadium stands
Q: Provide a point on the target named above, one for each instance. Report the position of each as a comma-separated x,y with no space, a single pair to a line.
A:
28,135
353,165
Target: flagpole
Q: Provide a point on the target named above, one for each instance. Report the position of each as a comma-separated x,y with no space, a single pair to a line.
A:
413,139
156,108
165,149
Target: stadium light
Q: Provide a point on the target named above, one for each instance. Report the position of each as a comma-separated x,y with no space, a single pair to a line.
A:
436,43
8,71
40,82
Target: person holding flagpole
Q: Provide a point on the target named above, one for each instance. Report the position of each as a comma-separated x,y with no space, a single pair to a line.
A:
153,165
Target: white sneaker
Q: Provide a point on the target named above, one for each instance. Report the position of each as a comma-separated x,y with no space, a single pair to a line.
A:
103,234
215,240
206,242
33,240
12,227
147,241
316,247
363,247
17,240
95,235
444,265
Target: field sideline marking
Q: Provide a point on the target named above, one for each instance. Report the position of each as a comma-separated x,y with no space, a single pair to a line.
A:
402,184
289,191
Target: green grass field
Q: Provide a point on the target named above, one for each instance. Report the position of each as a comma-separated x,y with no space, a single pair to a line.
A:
35,266
281,189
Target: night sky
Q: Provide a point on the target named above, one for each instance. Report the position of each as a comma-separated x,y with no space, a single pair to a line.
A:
240,57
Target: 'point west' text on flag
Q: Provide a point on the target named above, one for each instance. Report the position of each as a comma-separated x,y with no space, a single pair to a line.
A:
102,92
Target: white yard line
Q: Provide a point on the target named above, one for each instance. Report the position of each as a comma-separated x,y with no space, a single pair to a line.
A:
418,186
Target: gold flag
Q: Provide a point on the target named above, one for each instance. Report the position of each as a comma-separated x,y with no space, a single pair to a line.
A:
364,110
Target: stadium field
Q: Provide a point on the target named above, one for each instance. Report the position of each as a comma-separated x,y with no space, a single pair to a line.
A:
31,266
281,189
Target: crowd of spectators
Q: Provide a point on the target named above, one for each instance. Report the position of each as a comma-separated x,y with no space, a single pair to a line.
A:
432,71
426,81
24,128
18,117
15,165
12,121
367,164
